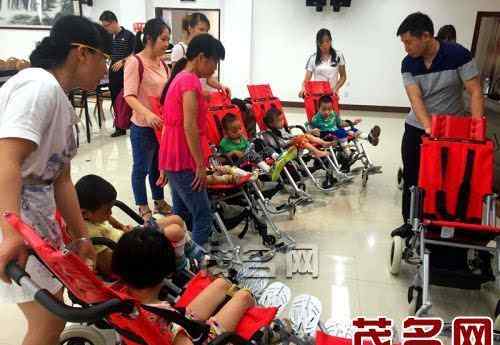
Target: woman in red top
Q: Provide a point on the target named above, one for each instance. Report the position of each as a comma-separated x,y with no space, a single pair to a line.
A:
184,147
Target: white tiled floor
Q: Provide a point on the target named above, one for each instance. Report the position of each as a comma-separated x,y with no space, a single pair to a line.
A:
351,228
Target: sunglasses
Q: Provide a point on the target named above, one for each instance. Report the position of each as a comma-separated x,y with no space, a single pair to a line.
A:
107,57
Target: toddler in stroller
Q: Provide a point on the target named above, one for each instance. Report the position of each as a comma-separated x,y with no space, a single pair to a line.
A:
273,120
237,148
97,196
144,257
332,127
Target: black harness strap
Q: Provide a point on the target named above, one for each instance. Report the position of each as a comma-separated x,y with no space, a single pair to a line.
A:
465,187
441,194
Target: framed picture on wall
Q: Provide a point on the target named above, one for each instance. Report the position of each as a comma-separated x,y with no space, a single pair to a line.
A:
173,17
35,14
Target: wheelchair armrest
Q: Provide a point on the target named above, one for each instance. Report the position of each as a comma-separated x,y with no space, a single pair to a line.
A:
103,241
229,338
129,212
198,331
90,314
463,226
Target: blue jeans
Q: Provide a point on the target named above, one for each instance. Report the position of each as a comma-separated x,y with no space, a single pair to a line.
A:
145,155
193,207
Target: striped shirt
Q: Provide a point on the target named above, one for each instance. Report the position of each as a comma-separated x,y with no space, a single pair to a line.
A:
123,45
442,84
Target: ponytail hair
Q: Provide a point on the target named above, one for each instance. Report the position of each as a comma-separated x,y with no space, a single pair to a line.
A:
152,30
204,44
54,49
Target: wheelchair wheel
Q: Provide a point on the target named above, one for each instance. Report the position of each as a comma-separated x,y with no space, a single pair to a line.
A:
400,178
415,298
291,212
364,177
396,255
269,240
497,317
81,335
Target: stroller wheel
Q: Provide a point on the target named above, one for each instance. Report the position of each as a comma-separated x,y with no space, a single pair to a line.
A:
400,178
81,335
269,240
364,178
396,255
497,317
415,298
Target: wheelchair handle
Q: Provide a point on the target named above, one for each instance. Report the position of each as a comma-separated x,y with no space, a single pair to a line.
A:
90,314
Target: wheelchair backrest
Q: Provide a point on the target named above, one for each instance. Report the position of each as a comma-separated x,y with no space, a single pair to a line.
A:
456,173
262,99
219,106
314,91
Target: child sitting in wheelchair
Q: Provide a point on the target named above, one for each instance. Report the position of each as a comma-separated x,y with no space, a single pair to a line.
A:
332,127
97,197
236,147
273,120
144,257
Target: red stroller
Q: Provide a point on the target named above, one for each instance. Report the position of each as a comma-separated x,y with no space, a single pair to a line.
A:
314,90
262,100
258,205
452,210
108,305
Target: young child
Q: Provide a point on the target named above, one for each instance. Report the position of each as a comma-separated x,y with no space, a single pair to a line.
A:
97,197
331,126
273,121
144,257
235,146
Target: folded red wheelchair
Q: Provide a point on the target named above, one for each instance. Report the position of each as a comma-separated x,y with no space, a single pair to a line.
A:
452,212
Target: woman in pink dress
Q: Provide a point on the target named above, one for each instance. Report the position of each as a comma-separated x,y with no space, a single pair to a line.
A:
184,147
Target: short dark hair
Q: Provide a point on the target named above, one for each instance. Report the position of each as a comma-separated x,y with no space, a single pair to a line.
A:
108,16
325,99
54,49
447,33
271,115
94,192
228,119
416,24
143,258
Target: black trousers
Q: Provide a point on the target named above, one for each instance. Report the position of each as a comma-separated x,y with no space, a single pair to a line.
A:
115,83
410,152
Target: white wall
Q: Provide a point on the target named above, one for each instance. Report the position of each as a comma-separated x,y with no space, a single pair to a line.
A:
284,33
19,43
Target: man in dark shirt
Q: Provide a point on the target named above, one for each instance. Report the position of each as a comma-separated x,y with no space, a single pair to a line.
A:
435,74
123,46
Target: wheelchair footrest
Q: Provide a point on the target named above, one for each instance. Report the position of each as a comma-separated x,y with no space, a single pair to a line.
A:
460,279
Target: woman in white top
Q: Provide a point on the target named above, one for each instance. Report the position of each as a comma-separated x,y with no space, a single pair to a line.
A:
327,64
37,144
193,25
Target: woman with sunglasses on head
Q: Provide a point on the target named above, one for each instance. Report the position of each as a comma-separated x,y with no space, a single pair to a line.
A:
151,46
193,25
37,144
327,64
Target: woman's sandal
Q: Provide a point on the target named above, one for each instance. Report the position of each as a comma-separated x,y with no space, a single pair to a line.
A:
162,207
145,214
